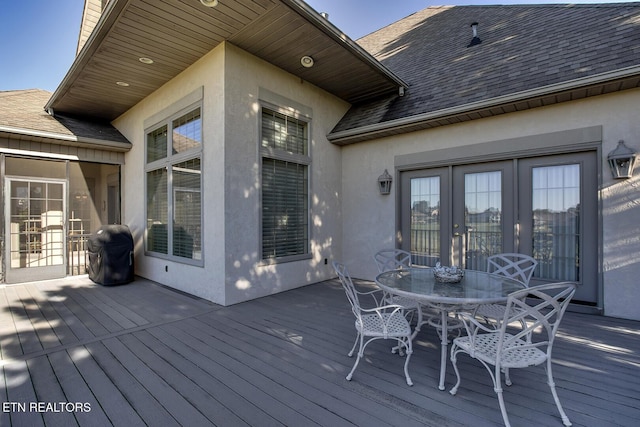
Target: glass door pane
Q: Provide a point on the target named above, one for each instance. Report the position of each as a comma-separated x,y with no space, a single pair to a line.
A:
556,221
425,220
482,213
36,229
558,208
482,217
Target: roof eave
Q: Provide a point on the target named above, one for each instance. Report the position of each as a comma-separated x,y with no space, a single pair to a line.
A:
110,13
464,112
70,140
334,32
116,8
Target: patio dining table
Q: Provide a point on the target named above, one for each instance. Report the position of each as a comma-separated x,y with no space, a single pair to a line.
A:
475,288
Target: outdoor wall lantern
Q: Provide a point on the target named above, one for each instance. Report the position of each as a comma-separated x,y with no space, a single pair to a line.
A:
621,161
384,182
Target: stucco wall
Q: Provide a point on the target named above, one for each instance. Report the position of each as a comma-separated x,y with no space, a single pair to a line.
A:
370,219
233,82
206,75
248,81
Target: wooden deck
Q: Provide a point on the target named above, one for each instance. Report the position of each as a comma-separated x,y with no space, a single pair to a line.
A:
142,354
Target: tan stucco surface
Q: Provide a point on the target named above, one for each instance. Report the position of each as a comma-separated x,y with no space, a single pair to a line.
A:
370,219
349,219
233,83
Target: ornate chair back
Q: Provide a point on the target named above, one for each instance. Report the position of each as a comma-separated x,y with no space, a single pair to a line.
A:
349,288
513,265
539,309
392,259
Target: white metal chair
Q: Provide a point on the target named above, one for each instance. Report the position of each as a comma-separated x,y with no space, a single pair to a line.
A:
381,322
540,310
392,259
397,259
513,265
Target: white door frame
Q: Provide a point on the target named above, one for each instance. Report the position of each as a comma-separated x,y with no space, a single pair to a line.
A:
47,259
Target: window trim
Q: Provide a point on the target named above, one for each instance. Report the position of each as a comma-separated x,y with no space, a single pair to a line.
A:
281,155
168,163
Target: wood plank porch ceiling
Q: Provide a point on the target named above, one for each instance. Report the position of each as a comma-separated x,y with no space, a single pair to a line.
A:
176,33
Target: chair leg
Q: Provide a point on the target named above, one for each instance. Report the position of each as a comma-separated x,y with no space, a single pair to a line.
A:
503,409
360,353
496,376
409,351
398,348
354,345
454,362
552,386
507,377
419,322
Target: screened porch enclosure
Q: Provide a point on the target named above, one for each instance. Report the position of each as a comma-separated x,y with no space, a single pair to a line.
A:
52,207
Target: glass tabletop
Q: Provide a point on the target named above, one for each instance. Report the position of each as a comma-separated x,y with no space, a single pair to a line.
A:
476,287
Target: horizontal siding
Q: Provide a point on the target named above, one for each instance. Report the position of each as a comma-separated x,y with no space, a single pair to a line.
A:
44,150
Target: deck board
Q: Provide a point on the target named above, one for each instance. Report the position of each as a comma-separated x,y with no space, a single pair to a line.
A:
33,310
170,398
20,391
143,354
192,382
295,387
63,332
27,338
140,399
9,340
309,366
48,389
238,395
112,402
255,387
76,390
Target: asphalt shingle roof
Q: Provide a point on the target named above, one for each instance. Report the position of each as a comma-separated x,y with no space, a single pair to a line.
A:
24,110
522,48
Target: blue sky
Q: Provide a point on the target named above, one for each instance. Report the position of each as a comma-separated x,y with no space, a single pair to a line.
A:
38,38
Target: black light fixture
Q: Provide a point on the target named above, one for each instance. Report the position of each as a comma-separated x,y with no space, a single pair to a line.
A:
384,183
621,161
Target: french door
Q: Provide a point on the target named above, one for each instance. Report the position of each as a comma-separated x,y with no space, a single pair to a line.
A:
482,216
35,225
544,207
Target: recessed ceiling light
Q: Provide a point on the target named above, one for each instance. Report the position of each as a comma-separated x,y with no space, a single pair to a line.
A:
124,84
209,3
146,60
307,61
